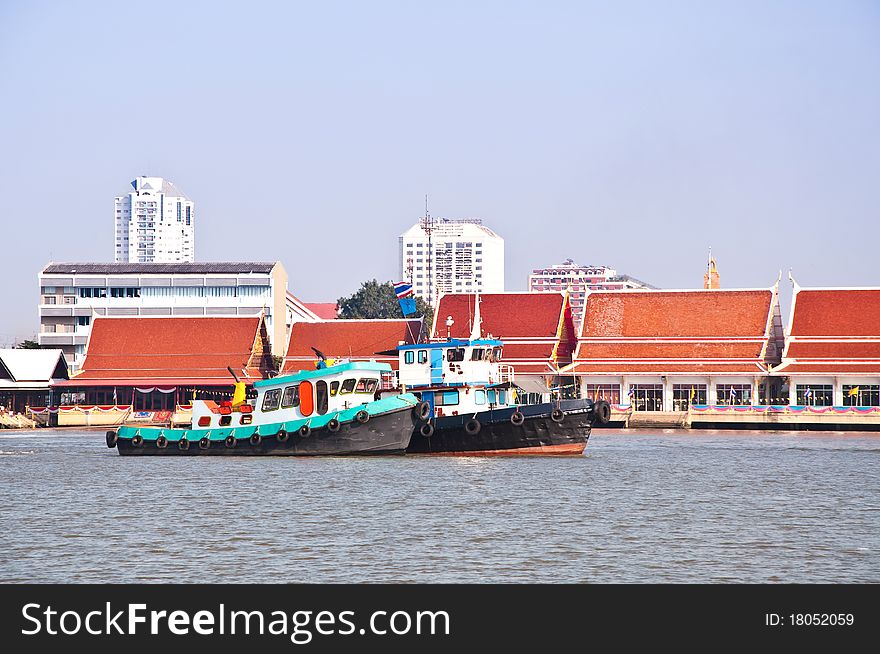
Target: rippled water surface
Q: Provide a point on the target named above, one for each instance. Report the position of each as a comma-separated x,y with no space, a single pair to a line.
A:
637,507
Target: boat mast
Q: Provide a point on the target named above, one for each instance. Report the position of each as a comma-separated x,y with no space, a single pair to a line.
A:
427,224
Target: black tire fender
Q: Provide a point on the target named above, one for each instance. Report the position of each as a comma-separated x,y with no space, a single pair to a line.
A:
304,431
111,439
137,440
426,430
204,443
557,415
362,417
281,436
333,425
230,441
473,427
422,410
162,442
255,439
183,444
517,418
602,411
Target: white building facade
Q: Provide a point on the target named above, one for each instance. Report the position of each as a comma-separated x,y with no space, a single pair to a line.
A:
458,256
73,294
155,223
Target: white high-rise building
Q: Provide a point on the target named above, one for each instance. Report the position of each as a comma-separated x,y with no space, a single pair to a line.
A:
579,280
155,223
458,256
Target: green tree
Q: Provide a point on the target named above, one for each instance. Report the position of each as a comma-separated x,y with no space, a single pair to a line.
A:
376,299
28,345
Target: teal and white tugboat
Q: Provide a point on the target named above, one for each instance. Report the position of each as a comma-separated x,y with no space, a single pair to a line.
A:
333,410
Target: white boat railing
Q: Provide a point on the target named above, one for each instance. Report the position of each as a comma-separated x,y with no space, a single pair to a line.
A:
506,374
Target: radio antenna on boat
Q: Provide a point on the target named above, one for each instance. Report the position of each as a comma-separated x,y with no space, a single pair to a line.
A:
427,224
232,372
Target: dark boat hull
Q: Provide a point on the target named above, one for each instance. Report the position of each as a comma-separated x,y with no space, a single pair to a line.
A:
538,434
388,433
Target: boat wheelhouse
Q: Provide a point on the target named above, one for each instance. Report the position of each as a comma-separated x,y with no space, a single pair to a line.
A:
335,409
473,408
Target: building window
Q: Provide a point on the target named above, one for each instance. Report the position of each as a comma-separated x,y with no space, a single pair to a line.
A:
83,321
684,395
734,394
50,299
814,394
646,397
608,392
409,356
861,395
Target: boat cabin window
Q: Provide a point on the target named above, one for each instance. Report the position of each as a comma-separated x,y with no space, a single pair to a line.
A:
423,356
491,396
321,397
496,353
502,397
347,386
455,354
334,388
271,399
290,397
479,396
366,386
409,356
477,354
446,398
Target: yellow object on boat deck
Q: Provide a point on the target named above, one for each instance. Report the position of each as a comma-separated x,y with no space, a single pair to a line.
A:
238,397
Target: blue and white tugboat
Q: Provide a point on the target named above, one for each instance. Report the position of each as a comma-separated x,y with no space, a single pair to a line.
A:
334,410
473,407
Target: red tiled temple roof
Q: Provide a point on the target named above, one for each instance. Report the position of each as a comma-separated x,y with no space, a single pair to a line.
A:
659,332
195,351
833,331
710,314
324,310
357,340
532,326
836,312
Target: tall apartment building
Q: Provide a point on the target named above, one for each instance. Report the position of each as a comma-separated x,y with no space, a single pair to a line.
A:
155,223
451,256
72,294
580,280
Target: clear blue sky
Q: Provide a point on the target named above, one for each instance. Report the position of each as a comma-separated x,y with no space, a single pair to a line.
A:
632,134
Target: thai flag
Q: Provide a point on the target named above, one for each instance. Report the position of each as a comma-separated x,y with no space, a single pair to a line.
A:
402,290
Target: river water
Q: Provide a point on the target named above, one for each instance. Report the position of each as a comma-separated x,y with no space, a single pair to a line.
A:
637,507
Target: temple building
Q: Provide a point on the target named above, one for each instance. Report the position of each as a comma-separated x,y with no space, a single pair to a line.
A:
832,352
153,364
26,377
665,350
355,340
